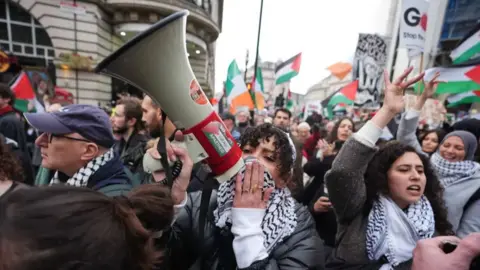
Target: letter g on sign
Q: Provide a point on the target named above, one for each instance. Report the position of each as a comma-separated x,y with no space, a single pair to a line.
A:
412,17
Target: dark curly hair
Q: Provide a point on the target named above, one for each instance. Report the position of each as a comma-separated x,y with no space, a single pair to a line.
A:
376,182
333,135
284,152
10,168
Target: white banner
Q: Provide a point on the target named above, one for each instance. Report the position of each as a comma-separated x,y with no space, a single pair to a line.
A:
368,67
413,24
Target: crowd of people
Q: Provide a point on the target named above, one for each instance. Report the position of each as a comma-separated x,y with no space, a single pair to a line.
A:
82,189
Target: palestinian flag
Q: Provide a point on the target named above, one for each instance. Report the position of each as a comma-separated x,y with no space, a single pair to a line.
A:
236,90
290,103
469,47
258,88
346,95
24,93
288,69
339,99
463,98
457,78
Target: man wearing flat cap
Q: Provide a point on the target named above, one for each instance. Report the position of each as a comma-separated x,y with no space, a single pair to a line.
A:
76,147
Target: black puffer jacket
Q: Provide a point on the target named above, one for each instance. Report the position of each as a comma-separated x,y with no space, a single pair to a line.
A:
301,250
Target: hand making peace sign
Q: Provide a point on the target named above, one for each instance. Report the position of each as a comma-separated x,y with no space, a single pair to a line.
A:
394,91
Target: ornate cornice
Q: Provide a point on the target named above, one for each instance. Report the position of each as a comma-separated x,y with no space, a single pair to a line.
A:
199,22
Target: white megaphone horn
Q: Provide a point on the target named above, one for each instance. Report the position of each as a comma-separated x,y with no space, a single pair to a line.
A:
156,62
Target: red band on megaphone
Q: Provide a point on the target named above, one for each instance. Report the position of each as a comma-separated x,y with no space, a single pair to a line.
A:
222,149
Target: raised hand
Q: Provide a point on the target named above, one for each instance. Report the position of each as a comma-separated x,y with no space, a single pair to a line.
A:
394,91
431,86
249,194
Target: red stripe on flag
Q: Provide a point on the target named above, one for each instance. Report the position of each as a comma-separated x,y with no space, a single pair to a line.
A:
296,63
22,87
477,93
350,90
474,74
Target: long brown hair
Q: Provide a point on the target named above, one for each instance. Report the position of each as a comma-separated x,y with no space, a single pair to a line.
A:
62,227
333,135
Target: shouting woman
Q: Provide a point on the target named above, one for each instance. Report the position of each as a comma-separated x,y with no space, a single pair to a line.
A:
454,165
386,200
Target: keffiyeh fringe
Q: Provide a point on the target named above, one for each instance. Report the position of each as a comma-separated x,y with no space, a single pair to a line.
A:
80,178
279,221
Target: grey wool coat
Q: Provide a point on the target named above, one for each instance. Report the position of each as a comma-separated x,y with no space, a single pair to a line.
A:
347,192
348,195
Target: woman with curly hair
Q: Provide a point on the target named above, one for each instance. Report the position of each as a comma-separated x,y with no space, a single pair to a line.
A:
454,164
386,200
10,170
252,221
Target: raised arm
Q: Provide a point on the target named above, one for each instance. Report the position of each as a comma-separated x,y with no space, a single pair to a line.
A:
345,181
408,124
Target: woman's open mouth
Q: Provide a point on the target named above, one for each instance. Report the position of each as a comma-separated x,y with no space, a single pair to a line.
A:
414,189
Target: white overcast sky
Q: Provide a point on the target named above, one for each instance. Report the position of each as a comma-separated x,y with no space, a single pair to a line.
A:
325,31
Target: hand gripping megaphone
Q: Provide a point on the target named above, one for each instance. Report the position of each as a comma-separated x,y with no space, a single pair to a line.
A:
156,62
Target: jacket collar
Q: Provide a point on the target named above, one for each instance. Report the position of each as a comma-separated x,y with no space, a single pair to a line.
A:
113,169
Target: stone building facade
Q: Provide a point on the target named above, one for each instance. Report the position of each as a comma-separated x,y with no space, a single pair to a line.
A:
68,38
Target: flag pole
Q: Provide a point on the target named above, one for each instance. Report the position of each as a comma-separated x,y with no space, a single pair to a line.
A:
246,67
421,62
252,113
420,71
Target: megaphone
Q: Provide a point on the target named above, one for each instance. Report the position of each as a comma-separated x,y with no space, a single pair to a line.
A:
156,62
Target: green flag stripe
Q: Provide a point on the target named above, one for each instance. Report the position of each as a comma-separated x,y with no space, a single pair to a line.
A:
233,70
453,87
337,99
467,100
467,55
286,77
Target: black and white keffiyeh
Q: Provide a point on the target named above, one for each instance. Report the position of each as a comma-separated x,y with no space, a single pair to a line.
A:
450,172
80,178
394,233
279,221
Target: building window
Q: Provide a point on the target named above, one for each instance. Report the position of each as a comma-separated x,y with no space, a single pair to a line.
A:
204,4
3,12
3,31
18,14
42,37
22,34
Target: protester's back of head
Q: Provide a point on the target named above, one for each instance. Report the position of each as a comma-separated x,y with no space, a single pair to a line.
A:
62,227
7,94
10,168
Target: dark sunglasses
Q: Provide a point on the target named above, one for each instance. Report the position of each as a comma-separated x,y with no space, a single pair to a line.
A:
50,137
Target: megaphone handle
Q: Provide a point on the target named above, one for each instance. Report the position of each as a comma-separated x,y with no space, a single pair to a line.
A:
162,150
